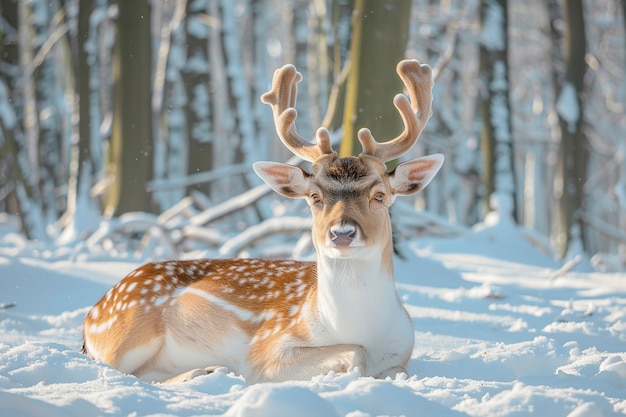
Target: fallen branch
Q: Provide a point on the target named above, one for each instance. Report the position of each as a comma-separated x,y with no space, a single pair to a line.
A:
231,206
567,266
273,226
199,178
237,203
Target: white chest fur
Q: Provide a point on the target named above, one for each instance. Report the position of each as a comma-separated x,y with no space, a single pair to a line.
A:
360,306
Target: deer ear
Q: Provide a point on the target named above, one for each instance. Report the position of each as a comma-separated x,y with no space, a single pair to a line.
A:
413,176
286,180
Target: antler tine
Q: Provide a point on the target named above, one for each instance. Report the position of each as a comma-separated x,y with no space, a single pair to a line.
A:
418,80
282,98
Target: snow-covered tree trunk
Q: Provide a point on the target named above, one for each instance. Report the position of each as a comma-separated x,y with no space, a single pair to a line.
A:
573,153
83,210
240,137
299,57
497,138
13,139
336,46
177,140
168,103
261,74
48,120
317,61
620,187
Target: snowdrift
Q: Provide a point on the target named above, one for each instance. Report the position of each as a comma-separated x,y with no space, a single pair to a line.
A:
500,331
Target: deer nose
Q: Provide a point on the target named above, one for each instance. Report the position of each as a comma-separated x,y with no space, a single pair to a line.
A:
342,235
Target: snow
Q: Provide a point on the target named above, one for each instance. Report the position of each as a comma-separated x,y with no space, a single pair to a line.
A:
493,34
567,106
501,330
7,113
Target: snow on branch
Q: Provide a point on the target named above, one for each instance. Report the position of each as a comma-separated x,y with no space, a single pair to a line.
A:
410,222
120,229
234,204
605,228
237,203
202,177
273,226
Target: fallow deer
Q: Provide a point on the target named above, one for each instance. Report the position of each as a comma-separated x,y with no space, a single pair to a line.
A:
274,320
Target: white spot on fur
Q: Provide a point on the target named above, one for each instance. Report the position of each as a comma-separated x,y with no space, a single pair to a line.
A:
104,326
241,314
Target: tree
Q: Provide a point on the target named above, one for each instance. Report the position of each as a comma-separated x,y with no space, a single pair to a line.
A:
496,135
197,79
573,152
81,209
24,195
620,187
379,36
50,169
131,141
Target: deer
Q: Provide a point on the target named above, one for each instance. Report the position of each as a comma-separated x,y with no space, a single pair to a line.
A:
278,320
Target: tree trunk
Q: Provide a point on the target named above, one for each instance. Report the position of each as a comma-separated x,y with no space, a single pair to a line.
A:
52,175
240,134
338,53
82,211
300,34
379,36
85,166
131,141
573,152
197,80
621,251
496,136
23,198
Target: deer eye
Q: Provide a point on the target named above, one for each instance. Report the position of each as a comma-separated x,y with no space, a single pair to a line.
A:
380,197
315,198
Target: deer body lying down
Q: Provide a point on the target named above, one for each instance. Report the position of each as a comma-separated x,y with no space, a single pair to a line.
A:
272,320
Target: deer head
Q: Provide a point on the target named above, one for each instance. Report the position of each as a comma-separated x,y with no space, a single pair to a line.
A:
350,196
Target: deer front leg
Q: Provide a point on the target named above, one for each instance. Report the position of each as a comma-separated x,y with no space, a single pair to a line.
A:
194,373
392,372
303,363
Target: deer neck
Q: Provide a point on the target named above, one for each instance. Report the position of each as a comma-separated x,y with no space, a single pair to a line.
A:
350,285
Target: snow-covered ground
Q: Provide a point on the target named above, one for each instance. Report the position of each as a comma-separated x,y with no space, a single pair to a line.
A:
500,331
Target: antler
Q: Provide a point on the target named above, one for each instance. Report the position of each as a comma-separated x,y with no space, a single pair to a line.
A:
418,81
282,98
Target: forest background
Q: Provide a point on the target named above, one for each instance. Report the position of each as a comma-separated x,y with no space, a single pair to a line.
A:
131,124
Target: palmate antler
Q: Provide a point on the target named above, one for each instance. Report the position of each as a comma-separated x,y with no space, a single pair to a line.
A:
418,81
282,98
